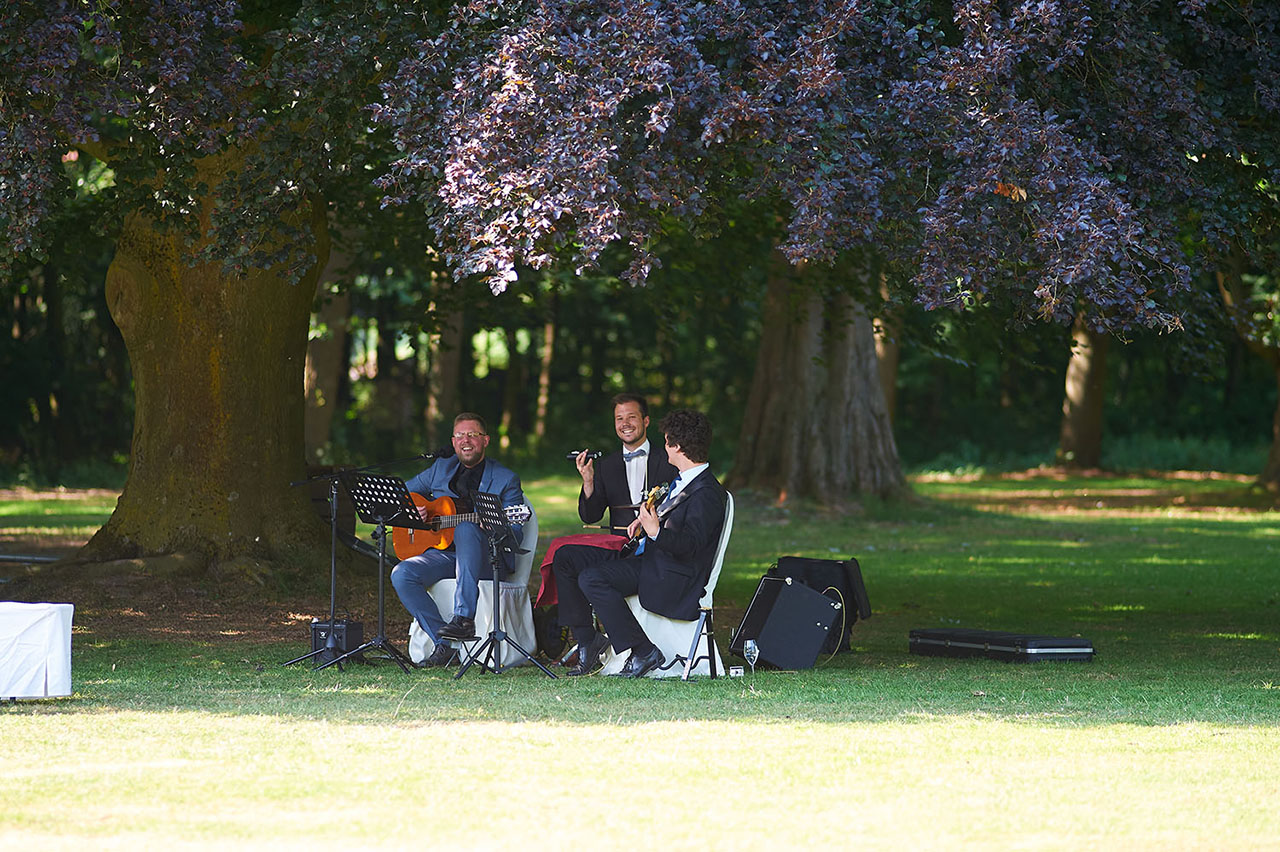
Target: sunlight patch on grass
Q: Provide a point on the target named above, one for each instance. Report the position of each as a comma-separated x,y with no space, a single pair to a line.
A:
208,778
1179,708
82,530
1170,560
1245,637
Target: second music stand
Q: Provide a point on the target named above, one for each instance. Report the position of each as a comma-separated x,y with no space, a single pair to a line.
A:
381,499
497,532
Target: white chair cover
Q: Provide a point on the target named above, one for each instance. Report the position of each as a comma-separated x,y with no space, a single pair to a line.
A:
516,607
671,635
35,649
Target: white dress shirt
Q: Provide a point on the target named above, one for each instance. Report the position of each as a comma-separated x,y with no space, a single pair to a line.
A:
683,478
637,471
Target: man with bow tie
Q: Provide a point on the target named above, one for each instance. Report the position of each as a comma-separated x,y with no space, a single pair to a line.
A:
670,568
625,475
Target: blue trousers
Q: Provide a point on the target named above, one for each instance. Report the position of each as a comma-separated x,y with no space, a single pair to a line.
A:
468,561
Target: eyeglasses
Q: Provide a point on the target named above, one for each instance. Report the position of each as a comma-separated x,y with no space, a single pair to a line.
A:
461,435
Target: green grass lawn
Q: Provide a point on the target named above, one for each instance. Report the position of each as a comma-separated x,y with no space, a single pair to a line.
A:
1168,739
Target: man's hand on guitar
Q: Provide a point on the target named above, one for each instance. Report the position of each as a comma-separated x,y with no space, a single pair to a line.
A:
648,519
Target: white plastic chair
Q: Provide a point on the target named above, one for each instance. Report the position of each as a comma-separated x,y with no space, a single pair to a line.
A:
516,607
677,638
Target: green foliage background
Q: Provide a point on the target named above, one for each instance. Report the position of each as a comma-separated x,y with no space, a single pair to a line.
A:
974,392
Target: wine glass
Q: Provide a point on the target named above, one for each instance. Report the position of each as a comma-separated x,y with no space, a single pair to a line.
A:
751,652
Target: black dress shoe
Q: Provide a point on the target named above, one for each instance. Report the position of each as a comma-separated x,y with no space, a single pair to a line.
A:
460,627
443,655
589,657
639,666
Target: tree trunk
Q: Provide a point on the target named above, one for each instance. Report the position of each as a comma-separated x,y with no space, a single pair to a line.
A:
816,423
392,407
888,330
54,425
442,388
1270,476
1236,299
544,377
218,426
326,357
1080,441
512,384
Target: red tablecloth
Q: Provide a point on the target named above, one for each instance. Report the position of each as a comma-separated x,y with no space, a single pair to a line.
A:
547,594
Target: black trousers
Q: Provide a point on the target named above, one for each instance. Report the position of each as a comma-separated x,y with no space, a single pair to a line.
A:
588,577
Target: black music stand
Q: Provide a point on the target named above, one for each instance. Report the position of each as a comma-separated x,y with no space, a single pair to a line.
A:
381,499
498,534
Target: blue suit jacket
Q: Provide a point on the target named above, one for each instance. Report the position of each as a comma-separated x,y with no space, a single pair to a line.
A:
496,479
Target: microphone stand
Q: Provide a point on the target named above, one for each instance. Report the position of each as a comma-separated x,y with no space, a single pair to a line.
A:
331,641
331,650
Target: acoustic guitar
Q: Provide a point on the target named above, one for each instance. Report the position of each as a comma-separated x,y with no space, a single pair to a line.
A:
442,519
651,498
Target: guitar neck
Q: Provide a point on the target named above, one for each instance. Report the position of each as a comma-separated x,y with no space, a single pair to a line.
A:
651,503
448,522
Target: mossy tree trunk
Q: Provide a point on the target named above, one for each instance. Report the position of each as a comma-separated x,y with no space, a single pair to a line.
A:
443,399
218,430
546,358
888,335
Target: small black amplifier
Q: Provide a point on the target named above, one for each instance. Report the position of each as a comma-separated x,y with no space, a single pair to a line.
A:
789,622
346,635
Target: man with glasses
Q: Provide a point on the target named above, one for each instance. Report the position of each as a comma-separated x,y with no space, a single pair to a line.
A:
459,476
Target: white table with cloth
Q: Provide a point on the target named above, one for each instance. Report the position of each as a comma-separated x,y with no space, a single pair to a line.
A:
35,649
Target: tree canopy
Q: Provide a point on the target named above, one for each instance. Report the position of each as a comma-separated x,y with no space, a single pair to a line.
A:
1047,153
1043,151
1052,157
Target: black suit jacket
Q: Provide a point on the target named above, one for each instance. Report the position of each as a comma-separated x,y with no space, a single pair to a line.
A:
611,488
677,564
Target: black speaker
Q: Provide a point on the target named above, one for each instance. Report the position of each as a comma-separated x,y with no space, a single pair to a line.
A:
789,621
840,580
346,634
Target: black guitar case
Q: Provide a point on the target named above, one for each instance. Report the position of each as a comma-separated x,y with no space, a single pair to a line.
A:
997,645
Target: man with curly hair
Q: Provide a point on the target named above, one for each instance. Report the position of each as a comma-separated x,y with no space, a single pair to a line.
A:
669,568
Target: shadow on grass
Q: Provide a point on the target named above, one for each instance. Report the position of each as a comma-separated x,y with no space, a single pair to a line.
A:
1215,679
1181,605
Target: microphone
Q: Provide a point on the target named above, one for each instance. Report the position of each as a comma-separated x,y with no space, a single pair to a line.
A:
591,454
445,452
